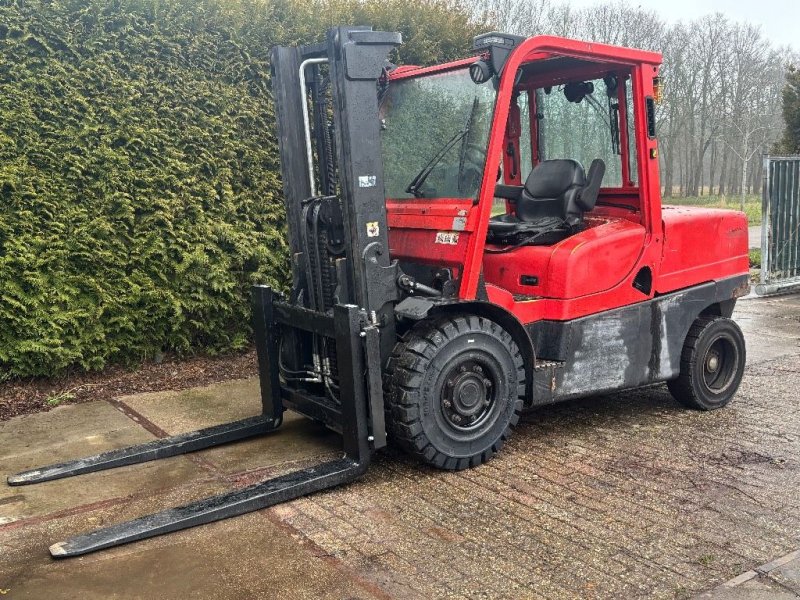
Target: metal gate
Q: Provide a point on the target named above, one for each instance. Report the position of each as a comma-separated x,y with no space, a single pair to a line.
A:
780,225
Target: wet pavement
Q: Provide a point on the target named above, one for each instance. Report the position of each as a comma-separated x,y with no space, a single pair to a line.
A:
622,495
754,236
779,579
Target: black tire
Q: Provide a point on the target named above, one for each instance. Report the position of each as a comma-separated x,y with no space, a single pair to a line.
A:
712,364
454,390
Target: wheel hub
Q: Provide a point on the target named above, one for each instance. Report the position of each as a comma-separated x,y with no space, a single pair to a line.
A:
467,395
712,364
719,366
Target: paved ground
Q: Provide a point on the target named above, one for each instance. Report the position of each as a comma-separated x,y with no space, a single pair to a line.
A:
624,495
779,579
754,234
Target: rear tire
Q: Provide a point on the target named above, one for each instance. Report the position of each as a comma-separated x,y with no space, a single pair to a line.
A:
454,390
712,364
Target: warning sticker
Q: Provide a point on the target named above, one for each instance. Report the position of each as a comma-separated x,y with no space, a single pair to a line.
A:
366,181
447,237
373,229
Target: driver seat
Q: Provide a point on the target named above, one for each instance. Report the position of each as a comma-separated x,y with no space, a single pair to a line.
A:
551,204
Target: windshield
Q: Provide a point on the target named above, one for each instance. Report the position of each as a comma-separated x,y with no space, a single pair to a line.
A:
435,133
584,128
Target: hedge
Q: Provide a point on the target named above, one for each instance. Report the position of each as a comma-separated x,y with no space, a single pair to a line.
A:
139,186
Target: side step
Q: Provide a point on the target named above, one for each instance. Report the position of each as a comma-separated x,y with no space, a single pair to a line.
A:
255,497
163,448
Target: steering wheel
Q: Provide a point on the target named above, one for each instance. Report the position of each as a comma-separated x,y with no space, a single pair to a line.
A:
472,167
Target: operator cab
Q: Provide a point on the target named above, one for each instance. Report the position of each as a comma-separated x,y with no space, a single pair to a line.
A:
569,135
555,163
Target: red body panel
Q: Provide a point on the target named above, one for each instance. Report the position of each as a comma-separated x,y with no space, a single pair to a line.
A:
407,71
701,244
589,262
415,223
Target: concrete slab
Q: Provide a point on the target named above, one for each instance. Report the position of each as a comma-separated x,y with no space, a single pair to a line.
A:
777,580
788,575
298,439
754,234
758,588
202,407
771,326
71,432
247,557
254,556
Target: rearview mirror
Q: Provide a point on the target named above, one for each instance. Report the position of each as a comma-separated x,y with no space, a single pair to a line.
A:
575,91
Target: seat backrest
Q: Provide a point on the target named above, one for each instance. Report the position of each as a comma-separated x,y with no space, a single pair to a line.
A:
551,189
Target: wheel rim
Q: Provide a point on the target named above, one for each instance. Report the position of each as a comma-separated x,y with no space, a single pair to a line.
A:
720,364
469,394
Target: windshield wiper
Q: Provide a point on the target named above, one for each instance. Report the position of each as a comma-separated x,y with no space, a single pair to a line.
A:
462,157
613,119
419,179
416,183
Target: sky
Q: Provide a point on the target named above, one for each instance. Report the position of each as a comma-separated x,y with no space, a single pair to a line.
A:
779,19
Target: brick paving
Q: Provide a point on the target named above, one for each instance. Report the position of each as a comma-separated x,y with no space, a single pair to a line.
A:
623,495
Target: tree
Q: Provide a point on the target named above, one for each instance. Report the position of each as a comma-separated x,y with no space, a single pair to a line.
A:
139,188
790,143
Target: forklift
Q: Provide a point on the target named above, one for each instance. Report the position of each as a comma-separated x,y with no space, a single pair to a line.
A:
468,240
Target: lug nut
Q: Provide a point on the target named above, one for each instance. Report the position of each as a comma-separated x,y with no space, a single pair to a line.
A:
462,369
450,383
478,369
487,382
457,418
447,404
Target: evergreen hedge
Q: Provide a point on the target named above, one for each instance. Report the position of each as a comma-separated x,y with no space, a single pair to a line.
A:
139,186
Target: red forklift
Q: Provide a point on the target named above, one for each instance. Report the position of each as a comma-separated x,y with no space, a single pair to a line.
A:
469,240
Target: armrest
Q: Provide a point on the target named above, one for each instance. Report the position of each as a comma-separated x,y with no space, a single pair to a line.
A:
588,195
508,192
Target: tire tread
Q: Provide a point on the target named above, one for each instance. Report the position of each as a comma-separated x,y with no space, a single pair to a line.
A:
682,388
402,393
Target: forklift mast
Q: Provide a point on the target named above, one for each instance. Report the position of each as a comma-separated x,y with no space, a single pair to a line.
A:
320,352
345,67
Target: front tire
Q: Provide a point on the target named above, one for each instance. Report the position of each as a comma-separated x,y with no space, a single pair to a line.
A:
454,390
712,364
